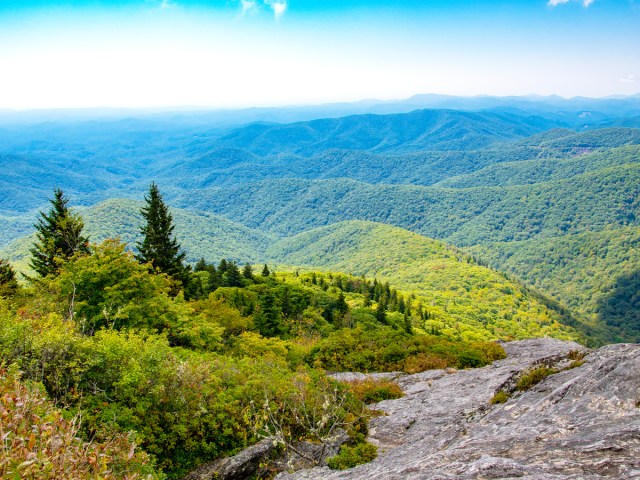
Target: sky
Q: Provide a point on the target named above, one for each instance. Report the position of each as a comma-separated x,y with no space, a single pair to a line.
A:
256,53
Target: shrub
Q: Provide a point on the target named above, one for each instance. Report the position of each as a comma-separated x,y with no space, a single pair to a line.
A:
499,397
575,364
576,355
424,361
38,442
534,377
350,456
374,390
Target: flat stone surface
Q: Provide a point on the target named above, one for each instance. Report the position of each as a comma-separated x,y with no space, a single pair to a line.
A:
582,423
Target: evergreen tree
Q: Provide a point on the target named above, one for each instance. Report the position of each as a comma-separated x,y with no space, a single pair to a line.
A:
265,271
268,319
381,314
214,278
401,304
222,267
58,237
408,326
200,266
159,246
341,304
8,282
232,276
247,272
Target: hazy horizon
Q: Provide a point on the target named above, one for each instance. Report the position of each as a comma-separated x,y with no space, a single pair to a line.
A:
234,54
372,101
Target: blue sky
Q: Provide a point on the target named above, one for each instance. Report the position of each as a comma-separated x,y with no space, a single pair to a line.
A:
240,53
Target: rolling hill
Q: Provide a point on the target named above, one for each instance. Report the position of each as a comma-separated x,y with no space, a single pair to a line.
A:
593,201
201,234
594,273
514,186
464,300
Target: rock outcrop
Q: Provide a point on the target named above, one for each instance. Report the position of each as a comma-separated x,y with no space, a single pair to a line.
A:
581,423
239,467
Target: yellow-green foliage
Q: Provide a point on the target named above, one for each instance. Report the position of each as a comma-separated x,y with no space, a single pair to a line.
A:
499,397
39,442
533,377
109,288
591,272
350,456
195,378
386,349
188,404
373,390
465,300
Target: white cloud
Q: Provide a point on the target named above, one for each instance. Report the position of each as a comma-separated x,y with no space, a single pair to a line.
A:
248,6
162,4
278,7
628,79
555,3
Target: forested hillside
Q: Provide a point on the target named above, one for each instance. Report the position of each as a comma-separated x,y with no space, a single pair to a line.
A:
463,297
512,185
595,273
593,201
466,300
184,331
160,373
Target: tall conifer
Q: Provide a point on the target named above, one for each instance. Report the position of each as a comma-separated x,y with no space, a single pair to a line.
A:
8,282
159,246
58,236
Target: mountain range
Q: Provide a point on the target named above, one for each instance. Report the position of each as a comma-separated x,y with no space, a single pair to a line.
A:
544,189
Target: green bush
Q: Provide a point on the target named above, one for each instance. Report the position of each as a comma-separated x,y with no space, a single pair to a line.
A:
499,397
373,391
350,456
386,349
534,377
39,442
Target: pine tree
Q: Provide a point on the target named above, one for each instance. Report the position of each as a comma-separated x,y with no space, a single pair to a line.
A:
268,319
265,271
58,237
159,246
247,272
381,313
341,304
200,266
214,279
8,282
232,276
408,326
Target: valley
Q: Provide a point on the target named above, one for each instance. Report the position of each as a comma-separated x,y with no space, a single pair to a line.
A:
406,242
510,189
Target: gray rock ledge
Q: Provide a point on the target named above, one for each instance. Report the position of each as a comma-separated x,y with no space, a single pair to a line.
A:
582,423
